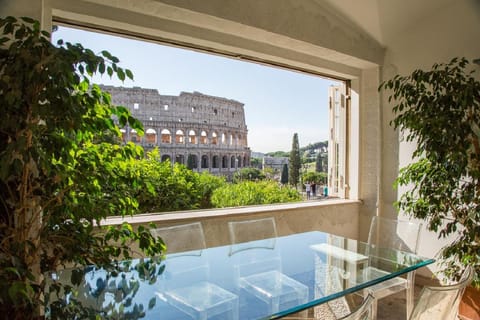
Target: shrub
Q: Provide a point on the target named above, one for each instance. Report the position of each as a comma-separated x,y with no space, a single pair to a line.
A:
253,193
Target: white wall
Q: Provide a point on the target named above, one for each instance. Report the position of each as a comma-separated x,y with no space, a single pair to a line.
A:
451,31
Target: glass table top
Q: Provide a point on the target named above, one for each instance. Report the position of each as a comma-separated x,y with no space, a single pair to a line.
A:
265,279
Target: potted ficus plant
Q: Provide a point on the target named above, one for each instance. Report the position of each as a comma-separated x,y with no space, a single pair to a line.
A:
439,110
62,168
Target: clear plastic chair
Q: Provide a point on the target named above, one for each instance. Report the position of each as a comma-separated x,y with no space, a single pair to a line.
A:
360,312
185,285
441,302
259,269
398,235
364,311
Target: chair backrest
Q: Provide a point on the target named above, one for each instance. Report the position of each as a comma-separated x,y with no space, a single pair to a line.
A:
363,312
183,242
252,234
394,234
441,302
182,238
250,230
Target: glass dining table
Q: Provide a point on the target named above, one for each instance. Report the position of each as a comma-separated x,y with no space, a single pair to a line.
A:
265,279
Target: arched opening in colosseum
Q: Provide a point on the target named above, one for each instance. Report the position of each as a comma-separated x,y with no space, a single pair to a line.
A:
179,137
134,136
245,161
203,137
151,136
224,162
192,137
240,163
230,140
238,142
180,158
214,138
215,162
224,139
192,161
165,157
204,162
166,136
232,162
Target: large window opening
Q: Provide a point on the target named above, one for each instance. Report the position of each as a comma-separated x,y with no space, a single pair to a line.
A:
241,111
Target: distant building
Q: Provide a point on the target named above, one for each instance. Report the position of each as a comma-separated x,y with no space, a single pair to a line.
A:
274,162
205,133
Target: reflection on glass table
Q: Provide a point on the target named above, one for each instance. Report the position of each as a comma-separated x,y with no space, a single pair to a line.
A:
330,267
257,266
185,283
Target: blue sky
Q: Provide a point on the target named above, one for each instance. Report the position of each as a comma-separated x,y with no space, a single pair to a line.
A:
278,102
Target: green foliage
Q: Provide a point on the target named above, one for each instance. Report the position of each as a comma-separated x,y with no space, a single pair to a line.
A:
440,111
314,146
321,162
294,162
251,174
256,162
284,178
317,177
171,189
252,193
278,154
61,170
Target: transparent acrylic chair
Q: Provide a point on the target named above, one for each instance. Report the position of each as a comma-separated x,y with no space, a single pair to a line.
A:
189,290
364,311
441,302
398,235
360,312
259,270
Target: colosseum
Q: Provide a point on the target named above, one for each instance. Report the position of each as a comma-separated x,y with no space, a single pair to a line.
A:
206,133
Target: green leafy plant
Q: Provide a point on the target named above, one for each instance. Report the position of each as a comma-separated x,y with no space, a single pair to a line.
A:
62,168
167,188
252,193
439,110
251,174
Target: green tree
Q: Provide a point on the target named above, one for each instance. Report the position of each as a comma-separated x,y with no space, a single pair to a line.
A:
294,162
284,178
319,163
166,188
278,154
208,183
439,110
317,177
251,174
61,172
256,162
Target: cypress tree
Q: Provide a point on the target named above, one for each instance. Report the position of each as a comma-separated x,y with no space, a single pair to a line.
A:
319,163
294,162
284,178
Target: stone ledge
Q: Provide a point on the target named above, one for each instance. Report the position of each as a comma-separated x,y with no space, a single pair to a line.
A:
184,216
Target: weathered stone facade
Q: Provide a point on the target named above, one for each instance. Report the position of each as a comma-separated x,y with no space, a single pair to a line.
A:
204,132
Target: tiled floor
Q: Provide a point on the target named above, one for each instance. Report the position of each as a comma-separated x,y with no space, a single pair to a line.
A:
394,306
